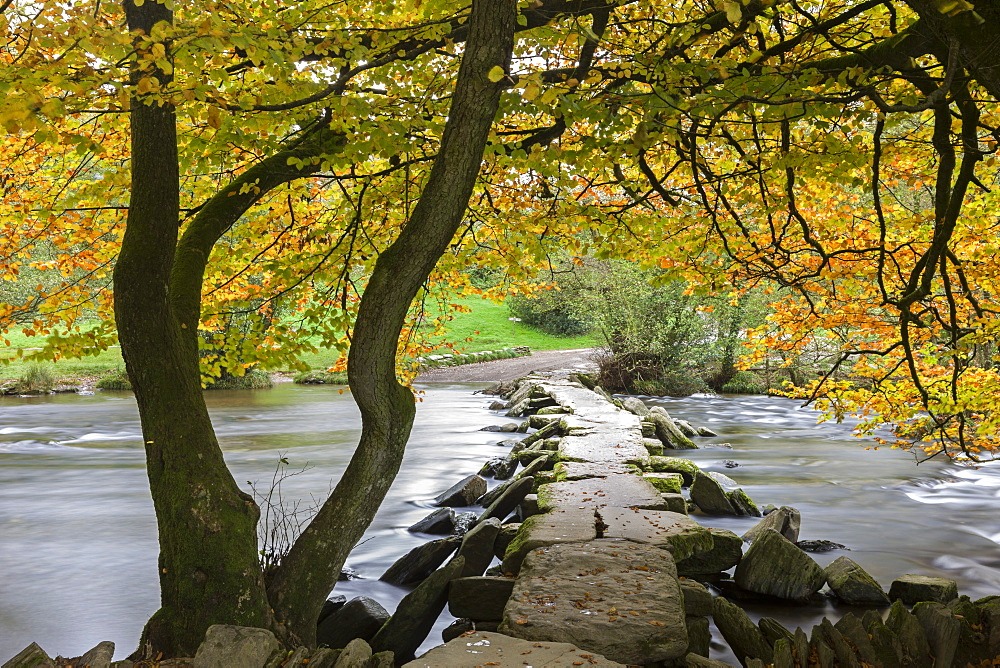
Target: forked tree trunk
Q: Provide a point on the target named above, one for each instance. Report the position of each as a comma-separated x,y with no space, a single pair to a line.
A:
208,565
309,571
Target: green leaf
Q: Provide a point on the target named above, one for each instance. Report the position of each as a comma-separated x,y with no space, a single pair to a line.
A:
496,74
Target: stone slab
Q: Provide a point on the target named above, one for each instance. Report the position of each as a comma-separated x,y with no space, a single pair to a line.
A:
579,399
559,526
615,598
603,446
620,490
675,532
494,649
566,471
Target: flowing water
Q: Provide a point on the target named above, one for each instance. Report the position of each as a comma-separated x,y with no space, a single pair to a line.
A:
78,539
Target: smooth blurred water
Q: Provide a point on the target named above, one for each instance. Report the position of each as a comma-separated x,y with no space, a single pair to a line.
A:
78,540
895,516
77,533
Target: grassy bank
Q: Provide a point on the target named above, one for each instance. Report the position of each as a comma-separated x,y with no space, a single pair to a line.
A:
487,326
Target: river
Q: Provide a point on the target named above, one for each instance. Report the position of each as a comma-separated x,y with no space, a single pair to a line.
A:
78,539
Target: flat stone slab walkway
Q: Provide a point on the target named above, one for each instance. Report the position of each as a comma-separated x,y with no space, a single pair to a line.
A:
616,598
582,470
604,446
495,649
620,490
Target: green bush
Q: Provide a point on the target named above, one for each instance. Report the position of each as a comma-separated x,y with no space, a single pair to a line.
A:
321,378
745,382
116,380
37,378
550,311
254,379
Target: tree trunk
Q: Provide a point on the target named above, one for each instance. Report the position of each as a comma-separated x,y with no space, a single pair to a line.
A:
309,571
208,565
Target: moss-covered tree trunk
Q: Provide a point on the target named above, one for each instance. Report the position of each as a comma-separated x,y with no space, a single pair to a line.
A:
309,571
208,565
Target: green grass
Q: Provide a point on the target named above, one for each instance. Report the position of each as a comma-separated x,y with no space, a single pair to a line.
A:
487,326
66,371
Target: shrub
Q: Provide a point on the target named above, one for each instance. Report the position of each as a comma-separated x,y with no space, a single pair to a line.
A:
321,378
550,311
254,379
37,378
745,382
116,380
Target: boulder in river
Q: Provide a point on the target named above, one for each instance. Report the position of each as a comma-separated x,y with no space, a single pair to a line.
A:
477,547
709,496
667,431
416,613
512,493
441,521
420,562
726,552
635,406
820,546
687,468
331,605
785,520
743,636
852,584
685,427
742,504
463,493
774,566
226,645
360,617
912,589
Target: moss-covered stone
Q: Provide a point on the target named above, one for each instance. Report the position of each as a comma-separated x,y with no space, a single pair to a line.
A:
559,526
853,585
776,567
726,552
668,483
742,504
687,468
912,589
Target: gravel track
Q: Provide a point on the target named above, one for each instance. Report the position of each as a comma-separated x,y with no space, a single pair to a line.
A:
507,370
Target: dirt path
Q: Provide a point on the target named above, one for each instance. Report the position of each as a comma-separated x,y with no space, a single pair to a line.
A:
512,369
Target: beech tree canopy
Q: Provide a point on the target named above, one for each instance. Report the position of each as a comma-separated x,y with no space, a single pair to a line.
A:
337,159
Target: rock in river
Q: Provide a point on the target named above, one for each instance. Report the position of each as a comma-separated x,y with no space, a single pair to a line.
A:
463,493
775,566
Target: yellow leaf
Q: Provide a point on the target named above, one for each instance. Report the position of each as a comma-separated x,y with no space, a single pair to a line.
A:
214,117
531,91
144,86
496,74
733,13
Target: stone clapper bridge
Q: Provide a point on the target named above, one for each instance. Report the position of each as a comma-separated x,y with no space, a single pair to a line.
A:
597,559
